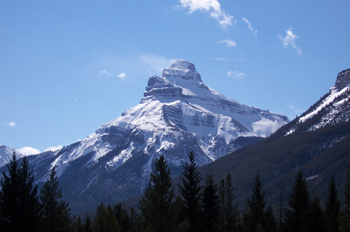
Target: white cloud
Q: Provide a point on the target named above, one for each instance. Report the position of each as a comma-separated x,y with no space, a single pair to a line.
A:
122,76
213,7
54,148
229,43
28,151
156,63
236,74
290,40
250,26
104,73
11,124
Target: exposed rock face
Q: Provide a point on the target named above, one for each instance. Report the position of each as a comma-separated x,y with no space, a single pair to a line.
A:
177,114
343,79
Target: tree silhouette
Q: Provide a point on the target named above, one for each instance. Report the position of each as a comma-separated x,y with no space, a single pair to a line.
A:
19,205
190,191
299,202
156,205
55,212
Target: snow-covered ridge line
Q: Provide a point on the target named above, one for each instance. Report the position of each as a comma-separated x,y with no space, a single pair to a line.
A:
334,94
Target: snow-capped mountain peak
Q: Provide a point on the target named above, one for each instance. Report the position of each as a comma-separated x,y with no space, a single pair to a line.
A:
178,107
177,114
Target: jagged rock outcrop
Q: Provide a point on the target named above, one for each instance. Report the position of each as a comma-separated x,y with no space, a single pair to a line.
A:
343,79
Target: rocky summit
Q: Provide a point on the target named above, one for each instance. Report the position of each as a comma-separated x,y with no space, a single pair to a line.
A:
177,114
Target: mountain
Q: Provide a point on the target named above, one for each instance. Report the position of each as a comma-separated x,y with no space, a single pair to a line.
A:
177,114
317,142
6,155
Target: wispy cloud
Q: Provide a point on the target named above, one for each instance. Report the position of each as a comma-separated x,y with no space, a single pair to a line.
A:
213,7
28,151
229,43
104,73
10,124
236,74
155,62
250,26
289,39
122,76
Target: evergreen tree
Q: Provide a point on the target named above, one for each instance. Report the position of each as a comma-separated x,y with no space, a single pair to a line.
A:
137,222
19,205
344,222
122,217
347,192
332,208
190,191
156,205
78,225
228,208
270,220
55,212
104,220
98,222
87,224
299,202
255,217
313,218
210,205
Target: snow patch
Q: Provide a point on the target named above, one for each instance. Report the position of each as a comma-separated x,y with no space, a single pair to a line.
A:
311,177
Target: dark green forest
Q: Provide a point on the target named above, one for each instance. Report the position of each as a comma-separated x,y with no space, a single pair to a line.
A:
198,207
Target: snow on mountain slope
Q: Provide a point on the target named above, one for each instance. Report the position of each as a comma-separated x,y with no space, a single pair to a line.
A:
6,155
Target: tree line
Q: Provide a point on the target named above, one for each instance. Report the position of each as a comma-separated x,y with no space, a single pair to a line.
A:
197,207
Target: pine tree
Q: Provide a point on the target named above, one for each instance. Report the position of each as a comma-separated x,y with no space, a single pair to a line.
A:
190,191
344,222
78,225
255,216
55,212
104,220
347,192
332,208
87,224
156,205
210,205
299,202
122,217
19,205
313,218
228,208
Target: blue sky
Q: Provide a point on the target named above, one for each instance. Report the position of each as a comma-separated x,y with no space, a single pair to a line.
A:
67,67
